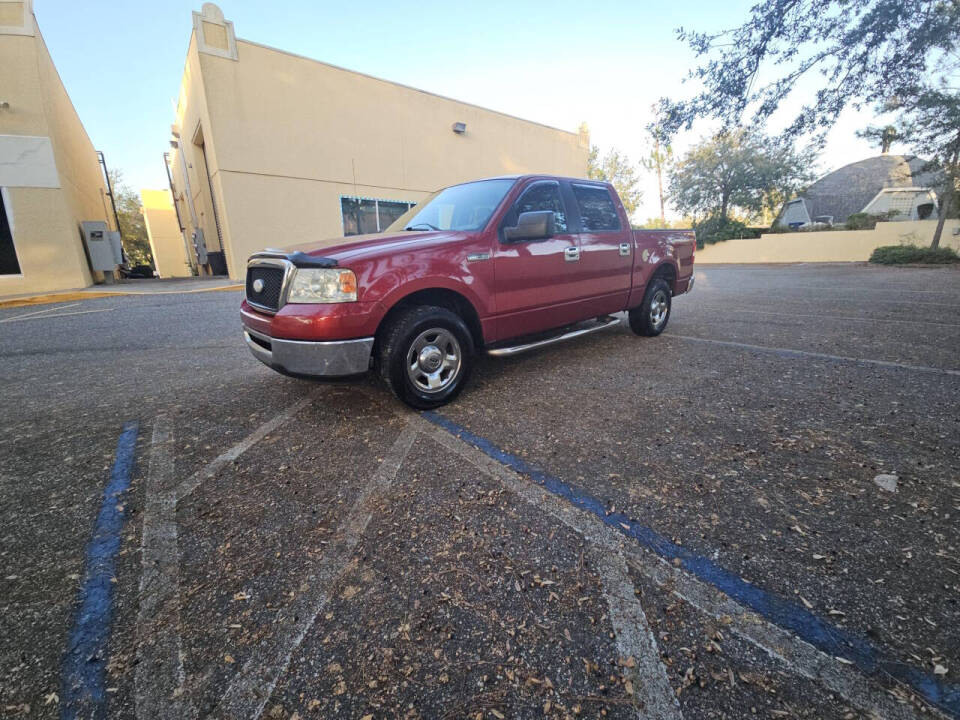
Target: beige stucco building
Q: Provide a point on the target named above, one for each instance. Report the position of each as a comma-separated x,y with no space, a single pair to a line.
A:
170,254
280,149
50,176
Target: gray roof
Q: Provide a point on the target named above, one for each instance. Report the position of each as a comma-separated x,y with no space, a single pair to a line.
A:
849,189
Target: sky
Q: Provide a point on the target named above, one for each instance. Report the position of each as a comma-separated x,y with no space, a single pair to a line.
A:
557,62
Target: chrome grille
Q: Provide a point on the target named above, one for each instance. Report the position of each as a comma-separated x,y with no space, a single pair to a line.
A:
269,280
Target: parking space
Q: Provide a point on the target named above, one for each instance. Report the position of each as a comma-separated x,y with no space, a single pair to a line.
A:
685,526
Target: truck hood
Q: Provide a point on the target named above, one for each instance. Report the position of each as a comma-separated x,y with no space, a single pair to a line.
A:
345,249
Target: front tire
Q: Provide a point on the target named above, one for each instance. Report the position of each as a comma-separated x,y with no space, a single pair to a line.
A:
650,319
425,356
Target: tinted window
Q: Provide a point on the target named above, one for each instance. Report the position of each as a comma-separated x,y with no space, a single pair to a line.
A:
542,196
461,207
597,210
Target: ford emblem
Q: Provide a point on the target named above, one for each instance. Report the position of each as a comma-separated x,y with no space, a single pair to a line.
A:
258,285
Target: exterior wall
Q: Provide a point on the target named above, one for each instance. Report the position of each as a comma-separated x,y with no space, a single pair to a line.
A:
193,191
166,240
829,245
46,220
286,136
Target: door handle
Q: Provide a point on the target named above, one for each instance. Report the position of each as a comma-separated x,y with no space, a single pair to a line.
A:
571,254
624,249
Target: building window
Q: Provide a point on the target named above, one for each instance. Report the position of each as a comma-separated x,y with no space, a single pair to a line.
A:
370,215
9,265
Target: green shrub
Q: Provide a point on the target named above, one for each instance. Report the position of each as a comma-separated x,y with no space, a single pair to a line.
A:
777,229
906,254
863,221
715,229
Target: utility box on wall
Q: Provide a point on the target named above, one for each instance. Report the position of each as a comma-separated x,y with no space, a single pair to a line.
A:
104,250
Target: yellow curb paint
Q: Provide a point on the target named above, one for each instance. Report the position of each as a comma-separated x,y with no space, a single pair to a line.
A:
70,296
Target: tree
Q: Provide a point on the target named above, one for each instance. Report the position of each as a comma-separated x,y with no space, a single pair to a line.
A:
892,54
932,123
737,171
656,223
659,160
133,228
616,169
867,51
882,136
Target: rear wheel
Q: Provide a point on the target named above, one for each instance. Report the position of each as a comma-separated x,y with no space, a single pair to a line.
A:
651,317
426,355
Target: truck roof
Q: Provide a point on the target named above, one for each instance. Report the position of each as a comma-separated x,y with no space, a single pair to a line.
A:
525,176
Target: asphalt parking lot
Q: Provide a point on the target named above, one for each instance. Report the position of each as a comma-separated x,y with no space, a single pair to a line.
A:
686,526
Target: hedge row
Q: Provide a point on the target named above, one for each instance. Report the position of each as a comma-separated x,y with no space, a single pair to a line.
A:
907,254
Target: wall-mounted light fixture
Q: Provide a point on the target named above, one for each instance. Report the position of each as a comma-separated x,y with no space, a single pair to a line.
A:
4,105
174,144
459,128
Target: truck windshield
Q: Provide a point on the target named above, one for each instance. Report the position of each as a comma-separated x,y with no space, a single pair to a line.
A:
461,207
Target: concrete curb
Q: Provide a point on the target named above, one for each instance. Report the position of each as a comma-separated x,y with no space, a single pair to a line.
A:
93,295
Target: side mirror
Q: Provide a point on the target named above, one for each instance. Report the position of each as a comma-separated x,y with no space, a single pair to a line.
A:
532,226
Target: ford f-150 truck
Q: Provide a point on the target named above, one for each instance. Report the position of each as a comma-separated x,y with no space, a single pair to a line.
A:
501,265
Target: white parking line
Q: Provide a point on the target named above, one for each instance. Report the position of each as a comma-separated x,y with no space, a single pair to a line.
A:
159,680
193,482
252,687
24,316
159,675
60,315
797,655
822,356
883,320
652,693
629,622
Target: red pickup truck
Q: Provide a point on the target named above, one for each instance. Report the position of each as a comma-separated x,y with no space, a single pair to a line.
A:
504,265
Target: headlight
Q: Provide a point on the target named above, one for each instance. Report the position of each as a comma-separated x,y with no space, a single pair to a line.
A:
323,286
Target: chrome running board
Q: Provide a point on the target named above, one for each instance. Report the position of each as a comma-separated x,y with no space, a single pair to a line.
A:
605,322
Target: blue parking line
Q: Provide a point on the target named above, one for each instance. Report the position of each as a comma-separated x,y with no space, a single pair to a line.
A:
82,675
823,635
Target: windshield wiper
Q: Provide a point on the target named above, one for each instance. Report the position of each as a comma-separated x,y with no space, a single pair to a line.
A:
419,224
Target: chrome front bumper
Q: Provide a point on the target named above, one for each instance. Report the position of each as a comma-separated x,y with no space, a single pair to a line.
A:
321,359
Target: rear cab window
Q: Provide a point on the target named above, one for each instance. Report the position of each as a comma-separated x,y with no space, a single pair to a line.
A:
598,212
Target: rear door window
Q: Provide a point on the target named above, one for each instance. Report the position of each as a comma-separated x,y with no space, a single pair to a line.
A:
598,213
